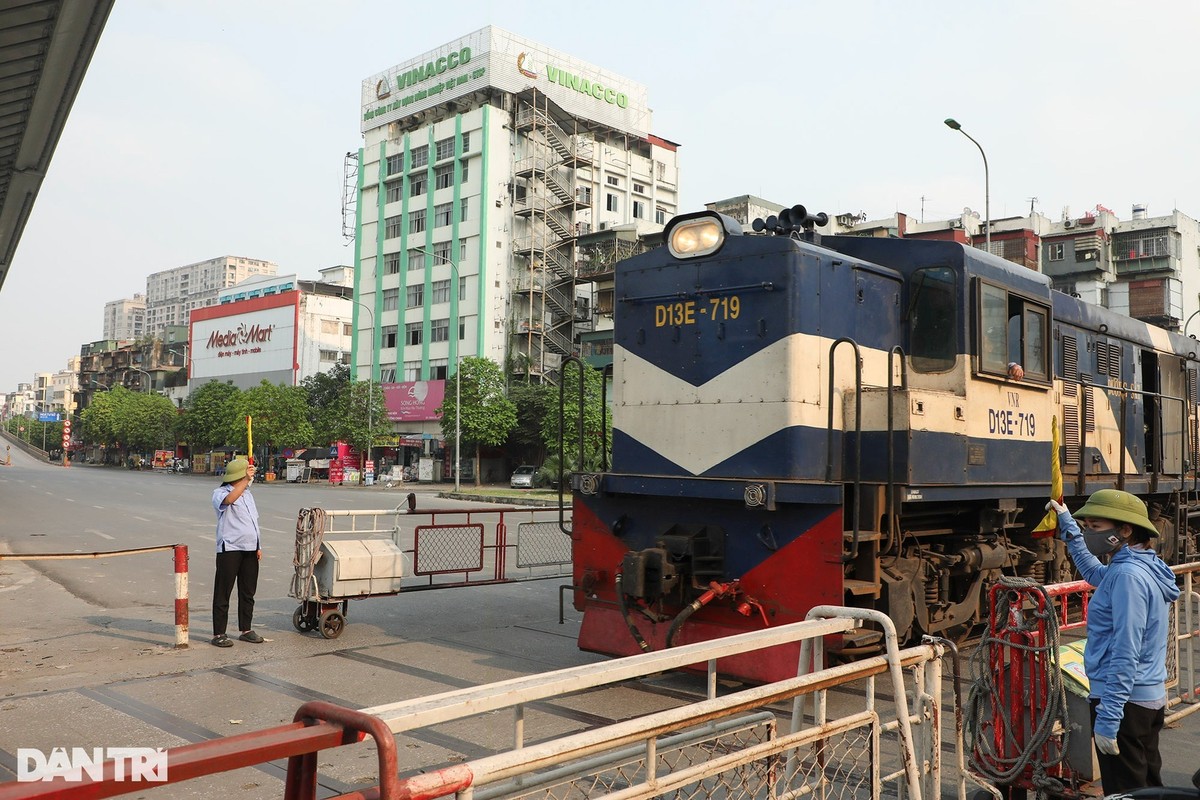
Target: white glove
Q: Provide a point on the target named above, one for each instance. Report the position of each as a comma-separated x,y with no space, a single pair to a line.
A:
1106,745
1056,506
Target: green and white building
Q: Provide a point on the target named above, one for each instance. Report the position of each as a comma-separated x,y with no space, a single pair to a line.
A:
484,161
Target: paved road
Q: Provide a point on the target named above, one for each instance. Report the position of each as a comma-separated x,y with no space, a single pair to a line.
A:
86,656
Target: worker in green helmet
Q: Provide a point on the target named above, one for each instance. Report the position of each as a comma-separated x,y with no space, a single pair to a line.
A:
1126,654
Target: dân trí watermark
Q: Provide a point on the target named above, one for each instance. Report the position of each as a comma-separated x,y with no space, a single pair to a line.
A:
148,764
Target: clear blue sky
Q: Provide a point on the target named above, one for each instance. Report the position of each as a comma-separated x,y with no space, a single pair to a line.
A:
219,127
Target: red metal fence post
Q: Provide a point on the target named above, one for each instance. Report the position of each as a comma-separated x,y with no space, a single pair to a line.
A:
181,596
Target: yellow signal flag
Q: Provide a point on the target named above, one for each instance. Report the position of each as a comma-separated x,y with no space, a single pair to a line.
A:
250,439
1049,524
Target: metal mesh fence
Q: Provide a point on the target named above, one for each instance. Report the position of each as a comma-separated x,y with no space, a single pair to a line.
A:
542,544
448,548
740,759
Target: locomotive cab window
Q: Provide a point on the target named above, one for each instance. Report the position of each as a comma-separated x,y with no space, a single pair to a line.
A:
1012,330
932,319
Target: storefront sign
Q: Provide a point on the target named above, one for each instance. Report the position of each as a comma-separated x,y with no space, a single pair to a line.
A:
413,401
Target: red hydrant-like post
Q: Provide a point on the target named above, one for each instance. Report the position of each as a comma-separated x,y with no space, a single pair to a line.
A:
181,596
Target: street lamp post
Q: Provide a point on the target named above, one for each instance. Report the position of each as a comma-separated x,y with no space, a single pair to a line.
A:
457,378
953,125
149,377
370,385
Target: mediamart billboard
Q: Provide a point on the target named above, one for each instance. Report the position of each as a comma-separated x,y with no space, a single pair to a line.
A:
495,57
245,342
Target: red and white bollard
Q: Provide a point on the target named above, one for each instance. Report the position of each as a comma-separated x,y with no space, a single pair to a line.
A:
181,596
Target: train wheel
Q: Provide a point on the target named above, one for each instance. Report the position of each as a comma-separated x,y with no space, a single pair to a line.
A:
331,624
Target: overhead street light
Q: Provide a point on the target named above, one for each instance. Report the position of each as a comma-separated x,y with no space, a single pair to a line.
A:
953,125
457,374
149,377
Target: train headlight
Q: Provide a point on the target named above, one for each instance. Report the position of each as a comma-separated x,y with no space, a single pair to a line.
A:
696,235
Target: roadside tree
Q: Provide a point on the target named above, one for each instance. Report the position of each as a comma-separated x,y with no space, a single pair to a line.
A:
280,416
210,417
488,416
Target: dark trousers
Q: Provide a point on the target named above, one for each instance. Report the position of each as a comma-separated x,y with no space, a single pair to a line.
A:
240,566
1139,763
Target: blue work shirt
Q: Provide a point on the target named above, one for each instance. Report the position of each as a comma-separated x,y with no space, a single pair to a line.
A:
1126,654
237,523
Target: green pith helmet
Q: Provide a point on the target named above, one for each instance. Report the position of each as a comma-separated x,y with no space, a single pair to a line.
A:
1118,506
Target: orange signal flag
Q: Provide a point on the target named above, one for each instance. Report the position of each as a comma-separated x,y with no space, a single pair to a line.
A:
1049,525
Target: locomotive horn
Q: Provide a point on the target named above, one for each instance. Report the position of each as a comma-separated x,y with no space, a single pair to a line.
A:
799,217
758,225
772,222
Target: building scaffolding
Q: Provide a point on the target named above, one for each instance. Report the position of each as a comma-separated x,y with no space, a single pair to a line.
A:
548,197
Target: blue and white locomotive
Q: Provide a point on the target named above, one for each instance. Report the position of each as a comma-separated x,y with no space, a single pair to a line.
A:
801,420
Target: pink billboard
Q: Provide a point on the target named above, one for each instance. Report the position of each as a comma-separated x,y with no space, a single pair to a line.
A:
413,401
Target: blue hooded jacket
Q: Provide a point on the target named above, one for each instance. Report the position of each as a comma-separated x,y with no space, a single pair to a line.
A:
1126,654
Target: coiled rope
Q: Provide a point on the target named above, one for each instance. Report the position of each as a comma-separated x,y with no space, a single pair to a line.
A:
310,531
986,704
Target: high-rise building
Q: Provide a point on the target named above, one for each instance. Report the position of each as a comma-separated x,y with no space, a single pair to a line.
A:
484,161
126,318
173,293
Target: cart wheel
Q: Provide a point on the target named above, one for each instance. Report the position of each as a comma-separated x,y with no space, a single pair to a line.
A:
331,624
301,621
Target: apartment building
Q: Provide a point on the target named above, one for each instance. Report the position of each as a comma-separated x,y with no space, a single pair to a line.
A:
126,318
486,161
172,294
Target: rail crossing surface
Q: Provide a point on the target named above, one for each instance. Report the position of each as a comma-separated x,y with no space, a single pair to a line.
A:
95,677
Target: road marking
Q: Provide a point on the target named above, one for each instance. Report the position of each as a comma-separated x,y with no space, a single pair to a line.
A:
99,533
142,519
99,507
70,499
272,530
21,582
210,538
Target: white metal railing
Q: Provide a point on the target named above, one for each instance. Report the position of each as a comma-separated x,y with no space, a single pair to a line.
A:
743,744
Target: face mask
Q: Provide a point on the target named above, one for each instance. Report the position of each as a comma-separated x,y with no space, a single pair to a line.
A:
1102,542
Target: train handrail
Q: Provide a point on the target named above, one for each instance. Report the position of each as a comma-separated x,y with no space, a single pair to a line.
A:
857,435
1124,392
891,443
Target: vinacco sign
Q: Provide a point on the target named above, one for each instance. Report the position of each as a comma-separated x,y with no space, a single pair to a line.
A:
570,80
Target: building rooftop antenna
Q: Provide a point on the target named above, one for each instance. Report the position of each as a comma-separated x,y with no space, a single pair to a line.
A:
1032,202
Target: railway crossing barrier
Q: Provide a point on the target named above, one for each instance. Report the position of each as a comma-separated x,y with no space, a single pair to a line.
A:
181,575
864,738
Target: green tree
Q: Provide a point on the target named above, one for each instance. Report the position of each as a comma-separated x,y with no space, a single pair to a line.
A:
210,417
326,402
488,416
534,403
280,415
360,416
597,427
145,421
99,422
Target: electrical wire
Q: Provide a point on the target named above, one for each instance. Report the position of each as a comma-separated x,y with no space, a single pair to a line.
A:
310,532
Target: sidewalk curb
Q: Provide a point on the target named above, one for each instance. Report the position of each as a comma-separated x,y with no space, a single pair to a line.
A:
543,502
